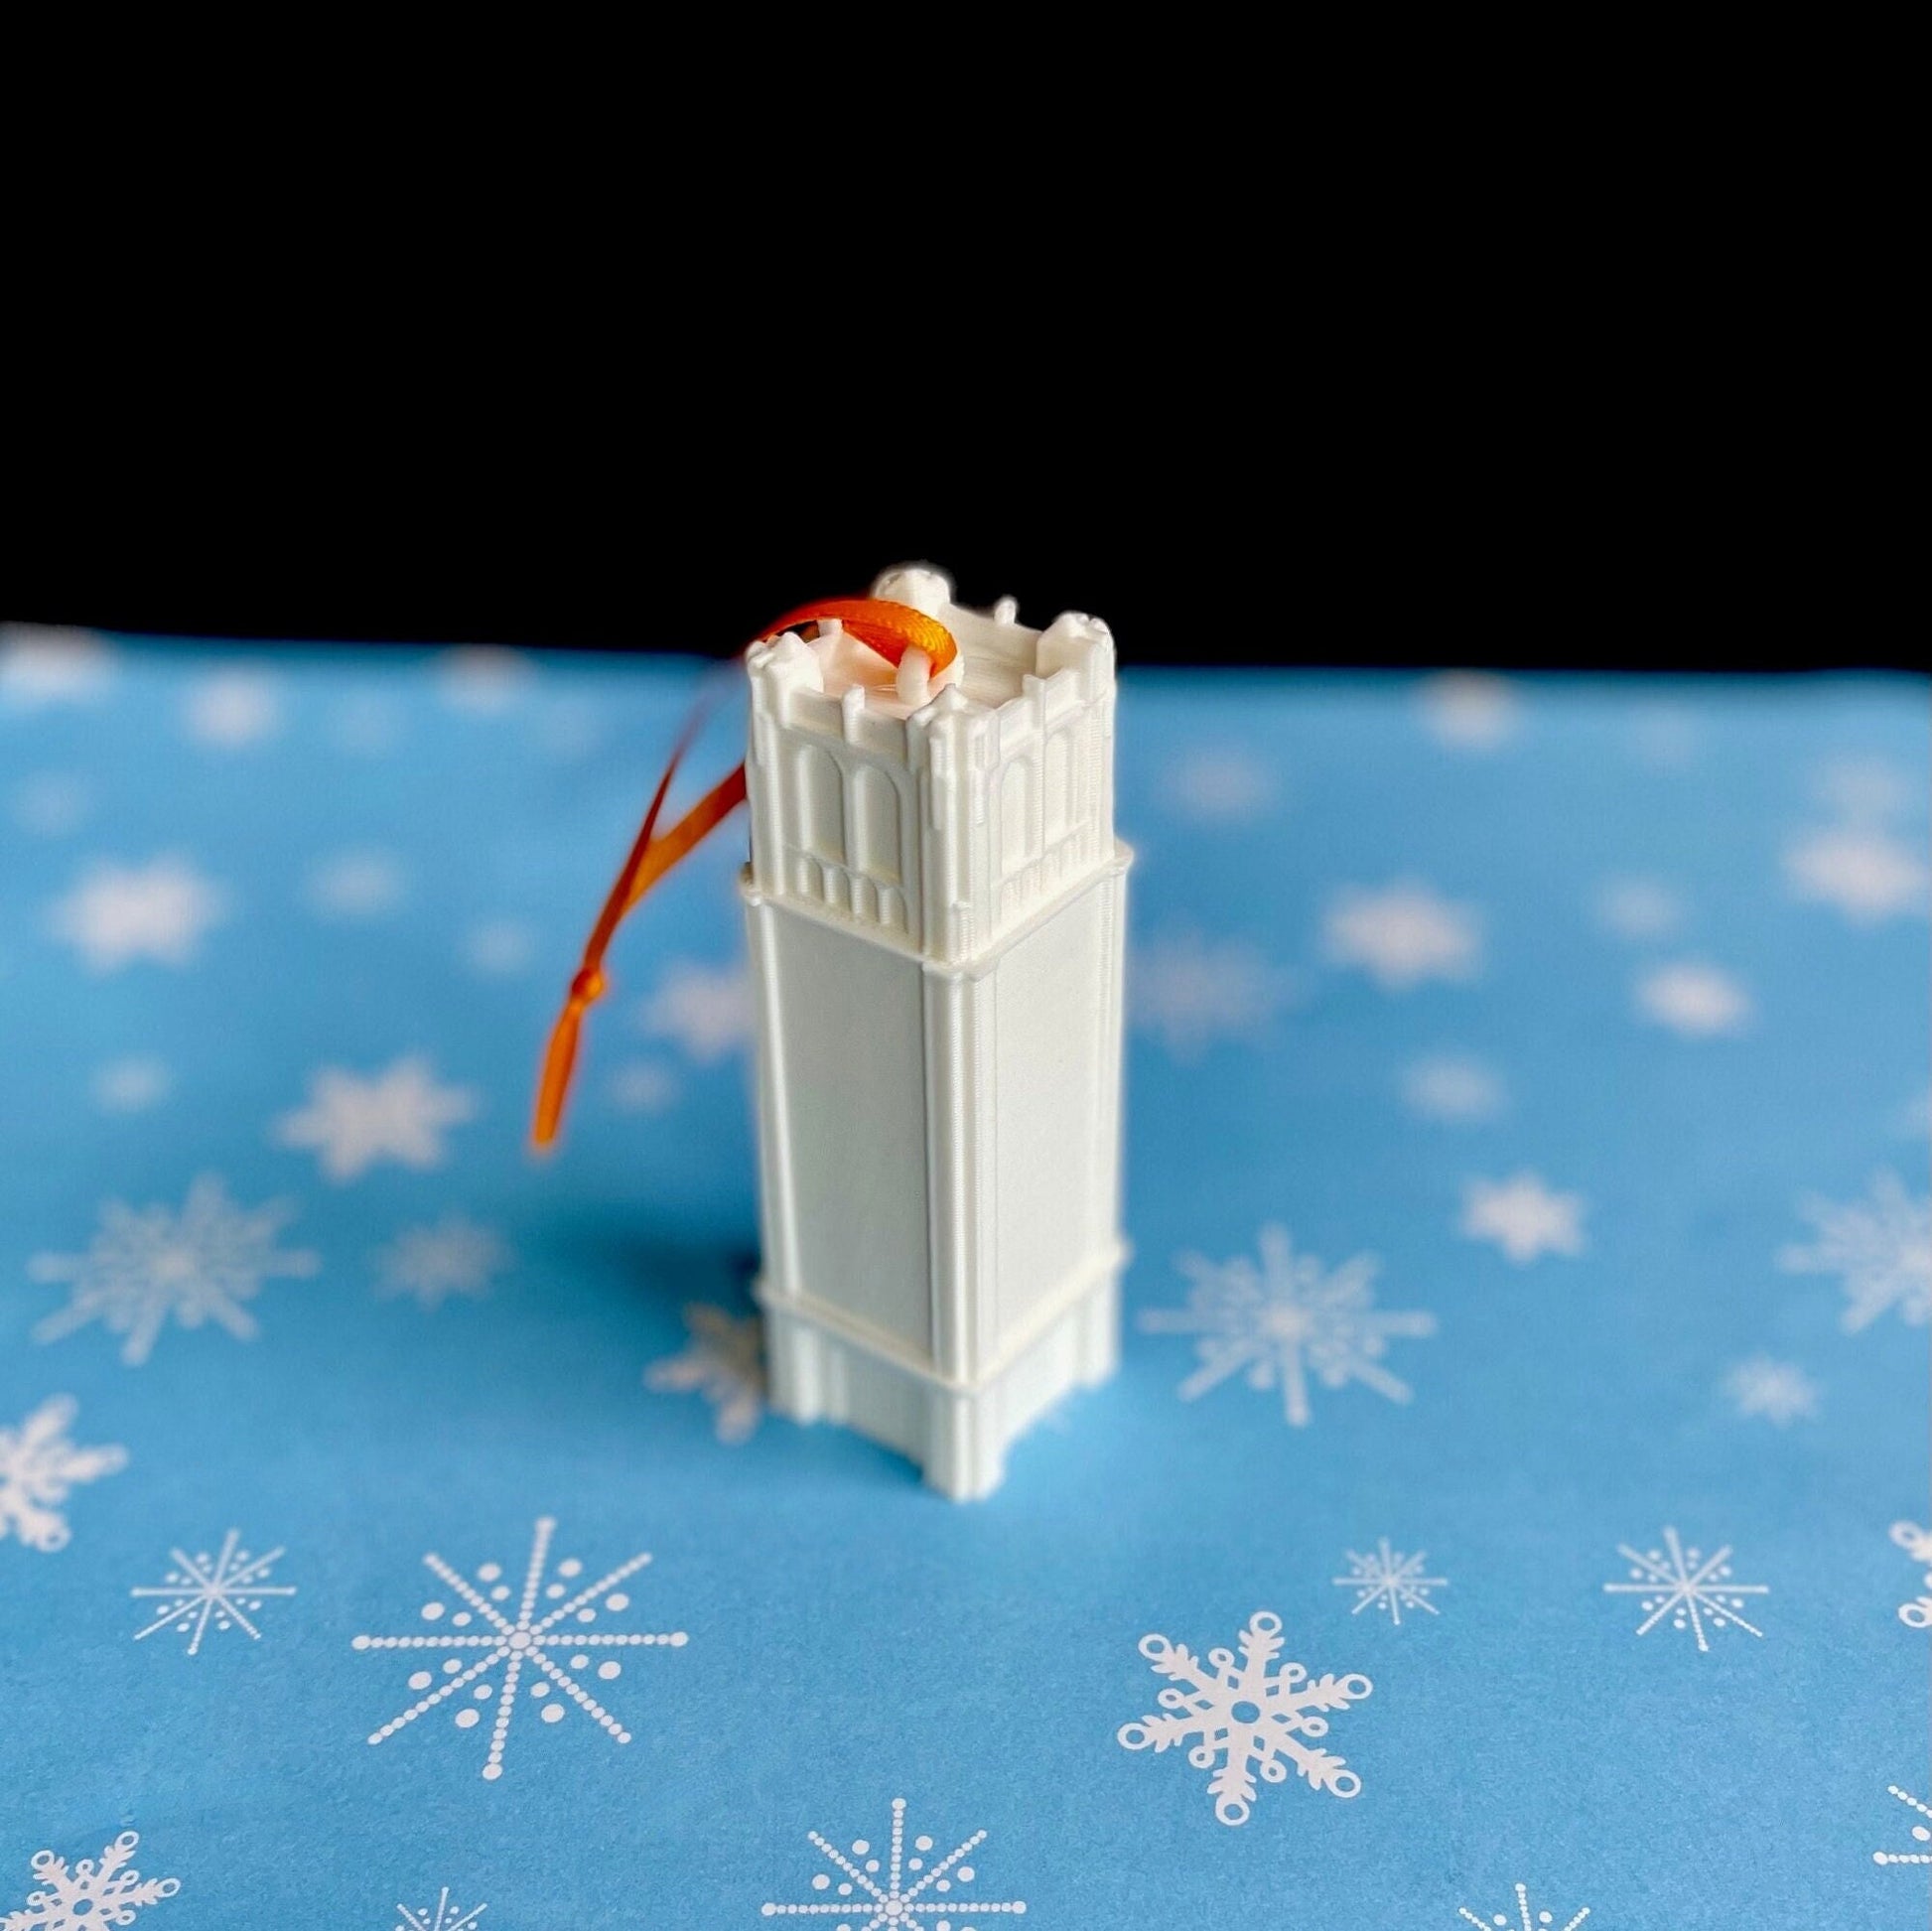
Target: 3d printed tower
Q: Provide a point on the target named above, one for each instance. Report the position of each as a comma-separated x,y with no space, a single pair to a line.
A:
935,910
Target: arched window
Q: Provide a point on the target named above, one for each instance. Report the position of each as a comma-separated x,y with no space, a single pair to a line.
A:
821,805
1057,785
875,823
1017,816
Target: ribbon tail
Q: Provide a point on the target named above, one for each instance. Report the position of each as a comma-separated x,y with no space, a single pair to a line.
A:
644,869
698,823
559,1062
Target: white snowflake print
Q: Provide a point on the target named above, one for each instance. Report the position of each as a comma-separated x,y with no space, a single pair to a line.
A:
725,1363
1638,909
889,1894
483,679
453,1257
1693,1589
1454,1087
1247,1715
521,1641
357,885
1920,1835
198,1265
1284,1318
442,1916
1193,995
1859,870
51,804
225,1589
571,727
88,1894
1917,1544
499,948
1880,1248
1666,734
1470,710
1402,935
231,709
367,725
1524,1217
398,1113
643,1086
131,1085
43,663
1697,1001
37,1467
1218,784
1522,1921
1867,788
707,1009
1779,1391
118,914
1389,1581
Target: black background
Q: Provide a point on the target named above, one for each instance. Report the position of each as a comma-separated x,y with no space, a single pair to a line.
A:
1604,540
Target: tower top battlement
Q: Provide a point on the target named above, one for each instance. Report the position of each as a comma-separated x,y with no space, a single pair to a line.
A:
999,661
938,815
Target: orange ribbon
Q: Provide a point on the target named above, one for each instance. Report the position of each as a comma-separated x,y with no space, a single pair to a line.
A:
888,628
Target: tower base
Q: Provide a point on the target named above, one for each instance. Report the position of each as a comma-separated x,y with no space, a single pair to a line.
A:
958,1434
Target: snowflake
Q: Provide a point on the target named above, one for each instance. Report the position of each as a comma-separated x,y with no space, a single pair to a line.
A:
224,1589
725,1363
1219,785
51,804
1452,1086
1881,1246
1697,1001
131,1085
1917,1544
1666,734
367,725
528,1640
643,1086
1921,1834
357,885
1780,1391
571,727
44,664
484,678
1686,1586
1389,1581
1867,873
1523,1217
234,708
1638,909
499,948
865,1906
1523,1919
397,1114
121,912
1281,1320
1470,710
706,1010
1246,1716
86,1896
1402,935
1864,788
431,1262
198,1265
1192,994
39,1464
445,1917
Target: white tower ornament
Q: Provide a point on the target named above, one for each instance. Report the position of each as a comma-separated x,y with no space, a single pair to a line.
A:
935,906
